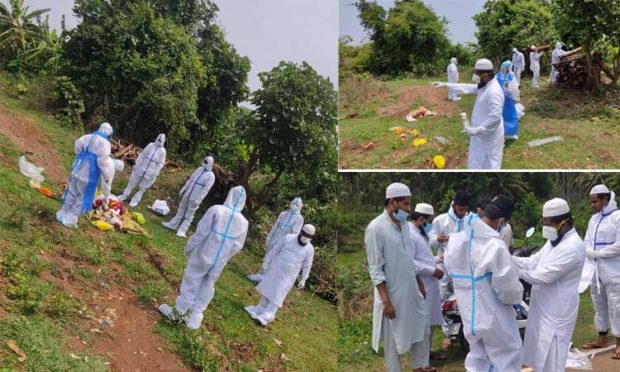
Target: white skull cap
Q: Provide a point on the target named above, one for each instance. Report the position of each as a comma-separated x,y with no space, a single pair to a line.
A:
599,189
483,64
309,229
424,208
397,190
555,207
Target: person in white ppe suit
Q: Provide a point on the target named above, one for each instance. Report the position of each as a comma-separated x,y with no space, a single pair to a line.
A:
288,222
602,241
554,272
294,254
148,165
399,315
219,236
430,273
487,286
443,226
486,146
555,59
453,77
518,64
535,65
192,194
93,163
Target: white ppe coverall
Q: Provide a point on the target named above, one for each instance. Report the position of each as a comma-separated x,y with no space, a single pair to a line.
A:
424,259
518,65
148,165
192,194
555,58
554,273
486,148
603,237
389,252
219,236
487,286
453,77
93,161
287,261
535,67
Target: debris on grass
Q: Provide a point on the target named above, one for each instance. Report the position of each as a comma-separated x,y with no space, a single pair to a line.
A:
21,356
369,146
544,141
439,161
419,142
442,140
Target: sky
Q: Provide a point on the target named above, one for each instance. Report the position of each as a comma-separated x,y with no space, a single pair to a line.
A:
267,31
459,14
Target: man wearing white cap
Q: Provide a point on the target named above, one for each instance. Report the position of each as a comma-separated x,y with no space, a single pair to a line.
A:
602,243
535,65
399,316
518,64
293,255
554,273
486,147
486,285
430,273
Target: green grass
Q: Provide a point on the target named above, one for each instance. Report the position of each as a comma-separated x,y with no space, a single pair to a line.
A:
355,310
38,305
569,114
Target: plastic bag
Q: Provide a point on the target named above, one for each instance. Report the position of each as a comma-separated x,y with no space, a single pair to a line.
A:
119,165
160,207
102,225
577,359
30,170
520,110
512,88
138,217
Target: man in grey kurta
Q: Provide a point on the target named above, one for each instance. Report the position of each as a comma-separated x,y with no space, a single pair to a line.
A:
399,316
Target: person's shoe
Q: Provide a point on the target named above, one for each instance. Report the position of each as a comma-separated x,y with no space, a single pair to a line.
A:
167,225
169,312
252,311
255,277
194,320
181,234
457,99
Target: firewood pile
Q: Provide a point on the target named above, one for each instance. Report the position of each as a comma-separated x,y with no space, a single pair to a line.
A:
573,70
129,154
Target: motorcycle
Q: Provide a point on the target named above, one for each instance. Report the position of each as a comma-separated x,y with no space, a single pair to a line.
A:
453,323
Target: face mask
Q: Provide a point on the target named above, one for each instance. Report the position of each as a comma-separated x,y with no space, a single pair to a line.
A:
304,240
400,215
550,232
476,79
428,227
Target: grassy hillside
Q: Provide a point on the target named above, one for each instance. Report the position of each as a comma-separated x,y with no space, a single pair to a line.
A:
86,300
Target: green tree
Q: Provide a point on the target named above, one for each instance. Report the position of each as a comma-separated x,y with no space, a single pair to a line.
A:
595,25
17,28
407,38
292,131
504,24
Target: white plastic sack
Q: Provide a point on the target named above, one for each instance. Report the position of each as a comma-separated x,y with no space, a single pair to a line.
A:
160,207
30,170
512,88
119,165
520,110
578,360
586,275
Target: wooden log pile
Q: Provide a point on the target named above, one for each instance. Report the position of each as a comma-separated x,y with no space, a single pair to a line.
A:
129,154
573,68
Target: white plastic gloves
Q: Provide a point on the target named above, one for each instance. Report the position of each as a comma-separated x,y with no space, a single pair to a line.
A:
474,131
592,254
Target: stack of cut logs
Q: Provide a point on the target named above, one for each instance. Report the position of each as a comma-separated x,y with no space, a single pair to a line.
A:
224,180
573,70
129,154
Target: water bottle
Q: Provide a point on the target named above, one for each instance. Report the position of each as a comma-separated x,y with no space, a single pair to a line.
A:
465,120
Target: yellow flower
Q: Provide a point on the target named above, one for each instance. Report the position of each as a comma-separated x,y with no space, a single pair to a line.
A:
419,142
440,161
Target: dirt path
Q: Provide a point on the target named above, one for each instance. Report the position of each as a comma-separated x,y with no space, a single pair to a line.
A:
32,142
409,98
121,328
